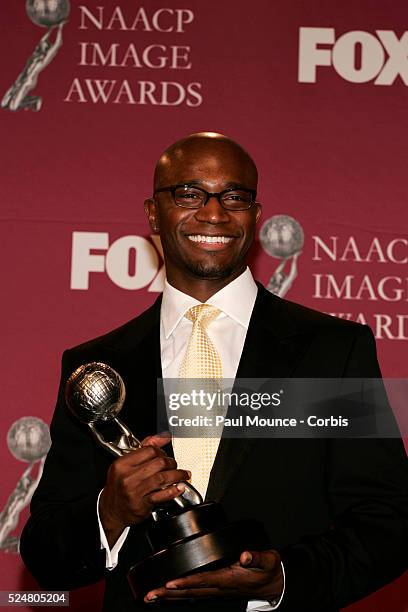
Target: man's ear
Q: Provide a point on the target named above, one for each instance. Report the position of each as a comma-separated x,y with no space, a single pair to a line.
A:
151,210
258,207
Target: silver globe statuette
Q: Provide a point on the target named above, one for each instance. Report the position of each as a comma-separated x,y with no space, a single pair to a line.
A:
282,237
28,440
95,394
50,14
47,13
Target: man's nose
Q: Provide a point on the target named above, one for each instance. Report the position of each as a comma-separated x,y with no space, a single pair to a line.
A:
212,212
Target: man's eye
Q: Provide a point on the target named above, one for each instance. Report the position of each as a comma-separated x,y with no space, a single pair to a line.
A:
235,197
188,194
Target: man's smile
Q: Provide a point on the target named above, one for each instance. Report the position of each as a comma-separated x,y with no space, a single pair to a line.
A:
210,242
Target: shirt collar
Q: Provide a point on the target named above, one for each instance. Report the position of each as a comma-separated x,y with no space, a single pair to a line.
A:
236,300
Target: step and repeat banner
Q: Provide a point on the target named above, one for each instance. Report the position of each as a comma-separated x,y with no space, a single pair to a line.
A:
91,92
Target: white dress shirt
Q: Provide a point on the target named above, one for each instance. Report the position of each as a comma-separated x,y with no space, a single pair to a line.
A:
236,302
227,332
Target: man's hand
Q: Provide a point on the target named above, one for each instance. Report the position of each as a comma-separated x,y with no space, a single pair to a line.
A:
257,575
137,483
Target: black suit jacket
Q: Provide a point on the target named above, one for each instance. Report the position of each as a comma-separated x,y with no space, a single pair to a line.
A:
336,510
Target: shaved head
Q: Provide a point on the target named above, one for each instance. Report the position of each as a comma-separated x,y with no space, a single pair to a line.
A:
204,247
199,145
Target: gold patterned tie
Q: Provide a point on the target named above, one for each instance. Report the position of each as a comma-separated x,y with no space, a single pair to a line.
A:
201,361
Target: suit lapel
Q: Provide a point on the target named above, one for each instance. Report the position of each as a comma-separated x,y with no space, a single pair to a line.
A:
137,354
273,348
144,410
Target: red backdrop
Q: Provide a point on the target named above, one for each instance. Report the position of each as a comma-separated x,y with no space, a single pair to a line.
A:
316,92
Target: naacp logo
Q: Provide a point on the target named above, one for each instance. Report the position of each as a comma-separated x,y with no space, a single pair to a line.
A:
282,237
50,14
28,440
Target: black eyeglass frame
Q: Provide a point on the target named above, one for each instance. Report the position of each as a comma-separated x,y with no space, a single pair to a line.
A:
218,195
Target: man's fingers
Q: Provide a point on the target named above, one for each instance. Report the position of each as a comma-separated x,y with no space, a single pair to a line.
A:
264,560
226,578
160,439
246,559
164,495
175,595
251,577
163,479
149,468
135,458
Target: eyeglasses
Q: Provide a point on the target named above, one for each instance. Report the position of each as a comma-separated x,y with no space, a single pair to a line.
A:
188,196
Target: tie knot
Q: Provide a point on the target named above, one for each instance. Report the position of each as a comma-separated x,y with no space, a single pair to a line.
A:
202,313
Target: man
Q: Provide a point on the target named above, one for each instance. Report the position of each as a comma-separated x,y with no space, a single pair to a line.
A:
335,510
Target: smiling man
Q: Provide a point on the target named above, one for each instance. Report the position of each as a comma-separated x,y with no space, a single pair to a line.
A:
207,235
335,511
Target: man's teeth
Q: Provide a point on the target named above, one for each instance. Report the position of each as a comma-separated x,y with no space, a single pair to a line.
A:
209,239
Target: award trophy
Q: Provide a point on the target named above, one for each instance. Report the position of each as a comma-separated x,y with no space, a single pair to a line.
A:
282,237
186,535
50,14
28,440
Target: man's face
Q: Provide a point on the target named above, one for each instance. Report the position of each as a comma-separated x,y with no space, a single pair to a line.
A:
184,232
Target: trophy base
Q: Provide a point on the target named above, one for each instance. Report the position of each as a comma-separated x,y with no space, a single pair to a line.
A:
199,539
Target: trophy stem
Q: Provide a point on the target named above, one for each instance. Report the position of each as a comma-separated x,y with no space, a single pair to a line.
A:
110,446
